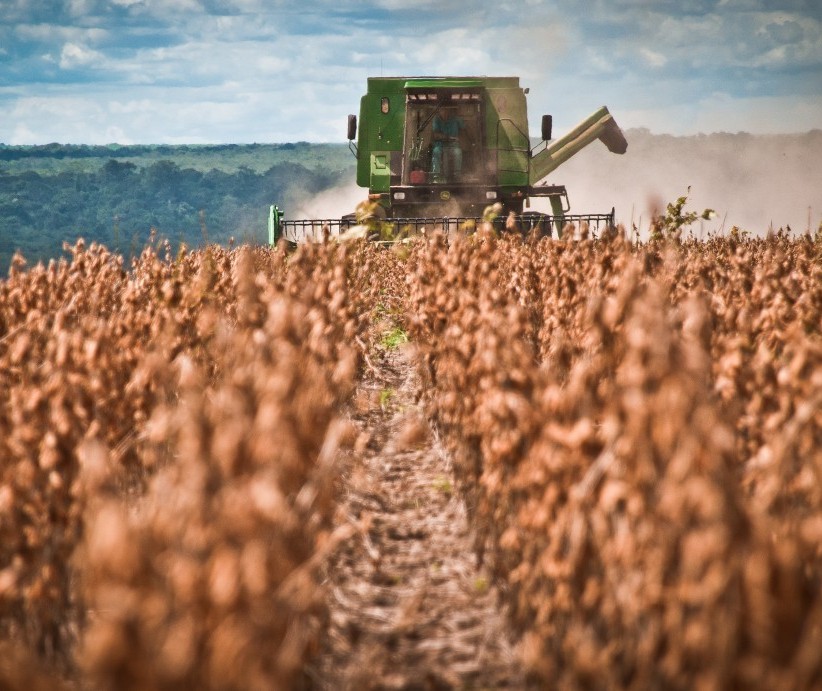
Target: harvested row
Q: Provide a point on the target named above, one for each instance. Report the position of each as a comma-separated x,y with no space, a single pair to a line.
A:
642,534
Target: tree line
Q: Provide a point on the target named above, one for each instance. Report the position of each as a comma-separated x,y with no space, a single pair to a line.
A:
122,204
63,151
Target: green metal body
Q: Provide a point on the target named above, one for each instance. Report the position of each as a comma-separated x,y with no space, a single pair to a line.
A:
437,151
275,217
397,139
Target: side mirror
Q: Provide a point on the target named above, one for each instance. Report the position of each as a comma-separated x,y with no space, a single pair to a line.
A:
352,127
547,121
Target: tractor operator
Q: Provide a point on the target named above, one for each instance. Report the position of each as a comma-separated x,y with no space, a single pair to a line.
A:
446,155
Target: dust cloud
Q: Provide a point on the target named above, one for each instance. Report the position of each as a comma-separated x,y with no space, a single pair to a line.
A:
332,203
754,182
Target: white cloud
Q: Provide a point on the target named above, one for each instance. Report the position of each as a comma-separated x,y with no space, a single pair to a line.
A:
271,70
599,61
772,58
126,109
689,33
22,134
454,51
116,135
74,55
80,8
759,115
653,58
740,4
545,44
198,63
271,64
52,118
248,5
721,112
438,5
164,7
54,33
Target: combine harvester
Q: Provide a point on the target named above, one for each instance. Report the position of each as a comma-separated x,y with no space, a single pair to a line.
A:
436,152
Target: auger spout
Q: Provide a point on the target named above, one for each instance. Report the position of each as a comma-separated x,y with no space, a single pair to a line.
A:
599,125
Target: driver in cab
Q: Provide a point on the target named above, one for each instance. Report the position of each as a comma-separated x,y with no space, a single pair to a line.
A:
446,156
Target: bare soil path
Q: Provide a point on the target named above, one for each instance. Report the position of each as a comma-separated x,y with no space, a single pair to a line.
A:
410,609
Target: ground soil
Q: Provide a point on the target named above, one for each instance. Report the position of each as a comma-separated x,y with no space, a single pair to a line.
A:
410,607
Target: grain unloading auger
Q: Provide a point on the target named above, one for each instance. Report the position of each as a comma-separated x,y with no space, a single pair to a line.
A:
436,152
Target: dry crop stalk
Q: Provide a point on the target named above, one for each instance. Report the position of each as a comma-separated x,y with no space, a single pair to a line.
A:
551,503
88,351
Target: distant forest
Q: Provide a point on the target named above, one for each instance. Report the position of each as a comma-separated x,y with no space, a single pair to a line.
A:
209,193
119,195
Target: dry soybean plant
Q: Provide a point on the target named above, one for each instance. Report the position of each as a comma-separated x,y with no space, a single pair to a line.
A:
635,429
167,437
638,434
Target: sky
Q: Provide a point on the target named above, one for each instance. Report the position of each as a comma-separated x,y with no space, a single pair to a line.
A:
241,71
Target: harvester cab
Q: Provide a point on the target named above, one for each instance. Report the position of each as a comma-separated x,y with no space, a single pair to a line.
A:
438,151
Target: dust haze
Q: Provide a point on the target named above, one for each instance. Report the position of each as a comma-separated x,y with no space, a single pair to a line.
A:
754,182
330,203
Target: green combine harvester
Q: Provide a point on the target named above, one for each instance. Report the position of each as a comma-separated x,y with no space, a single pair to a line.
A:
436,152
